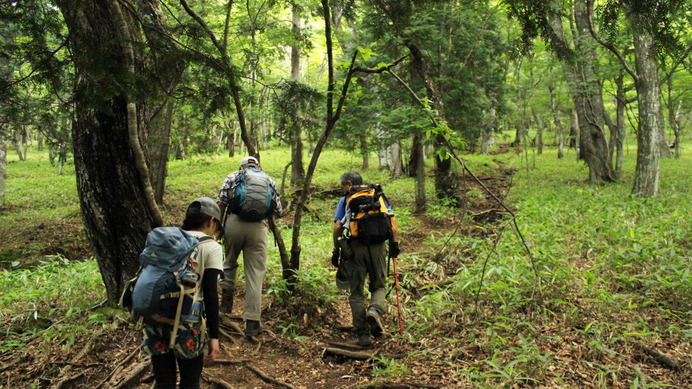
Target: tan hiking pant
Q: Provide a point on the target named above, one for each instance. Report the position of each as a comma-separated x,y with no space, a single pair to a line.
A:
250,238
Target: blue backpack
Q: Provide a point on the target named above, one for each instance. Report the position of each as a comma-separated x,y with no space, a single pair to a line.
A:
251,197
162,293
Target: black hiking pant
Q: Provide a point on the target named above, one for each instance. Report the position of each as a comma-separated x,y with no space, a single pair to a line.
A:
164,367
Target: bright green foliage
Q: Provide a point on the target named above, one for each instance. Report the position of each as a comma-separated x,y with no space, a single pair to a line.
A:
608,271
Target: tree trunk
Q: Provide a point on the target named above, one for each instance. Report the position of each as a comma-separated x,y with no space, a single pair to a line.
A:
586,94
488,133
158,145
3,162
396,168
297,166
573,130
519,134
646,176
618,137
18,147
167,69
107,152
539,133
418,168
560,131
364,152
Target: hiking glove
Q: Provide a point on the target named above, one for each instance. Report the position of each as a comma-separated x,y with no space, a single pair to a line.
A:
394,249
335,257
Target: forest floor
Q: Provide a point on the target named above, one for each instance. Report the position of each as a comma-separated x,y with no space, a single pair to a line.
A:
323,356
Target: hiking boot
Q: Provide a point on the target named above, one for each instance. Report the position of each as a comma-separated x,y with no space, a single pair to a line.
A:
226,300
364,340
252,328
374,321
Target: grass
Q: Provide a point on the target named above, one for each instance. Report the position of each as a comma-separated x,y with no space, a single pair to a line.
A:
606,271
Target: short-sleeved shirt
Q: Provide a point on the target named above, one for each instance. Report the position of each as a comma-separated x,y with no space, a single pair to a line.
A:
209,256
229,184
340,209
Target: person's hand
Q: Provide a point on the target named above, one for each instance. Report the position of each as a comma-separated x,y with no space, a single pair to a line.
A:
335,257
394,249
213,350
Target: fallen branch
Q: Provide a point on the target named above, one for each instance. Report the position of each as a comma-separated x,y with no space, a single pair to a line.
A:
358,355
118,368
403,385
267,378
229,361
216,380
67,379
658,357
134,372
344,345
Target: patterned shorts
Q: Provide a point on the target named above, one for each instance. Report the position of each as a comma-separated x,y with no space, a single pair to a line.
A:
188,342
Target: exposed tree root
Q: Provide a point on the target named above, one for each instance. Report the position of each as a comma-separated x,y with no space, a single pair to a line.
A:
66,374
267,378
216,380
133,373
118,369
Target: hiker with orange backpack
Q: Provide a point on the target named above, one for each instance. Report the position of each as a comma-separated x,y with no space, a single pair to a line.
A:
363,222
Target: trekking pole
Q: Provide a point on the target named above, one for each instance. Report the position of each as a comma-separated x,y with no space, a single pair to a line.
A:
398,301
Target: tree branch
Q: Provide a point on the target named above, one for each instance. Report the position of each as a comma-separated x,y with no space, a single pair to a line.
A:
675,66
606,44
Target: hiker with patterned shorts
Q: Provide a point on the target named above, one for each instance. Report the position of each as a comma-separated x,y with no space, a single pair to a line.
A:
202,221
246,231
364,260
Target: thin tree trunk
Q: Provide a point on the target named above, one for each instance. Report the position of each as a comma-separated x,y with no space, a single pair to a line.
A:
419,168
395,165
539,134
18,147
364,152
620,134
488,132
559,129
3,162
297,168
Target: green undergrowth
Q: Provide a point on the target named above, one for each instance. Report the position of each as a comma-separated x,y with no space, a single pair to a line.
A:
588,263
583,276
54,302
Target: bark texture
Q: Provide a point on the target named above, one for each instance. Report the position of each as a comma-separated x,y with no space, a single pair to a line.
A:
646,177
3,163
586,92
114,199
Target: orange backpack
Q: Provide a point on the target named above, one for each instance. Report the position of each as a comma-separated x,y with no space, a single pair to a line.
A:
371,219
